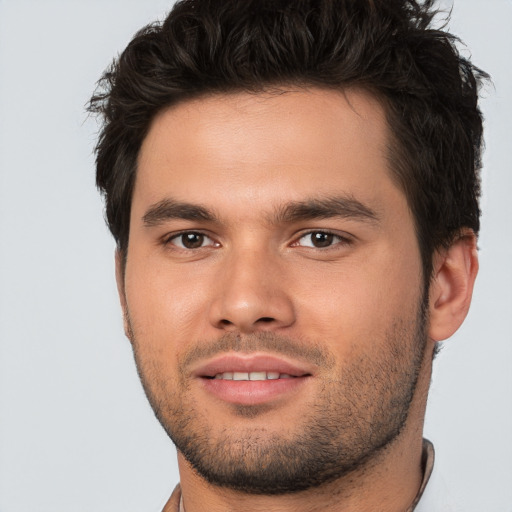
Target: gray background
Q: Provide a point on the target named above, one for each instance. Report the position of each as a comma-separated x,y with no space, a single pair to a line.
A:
75,430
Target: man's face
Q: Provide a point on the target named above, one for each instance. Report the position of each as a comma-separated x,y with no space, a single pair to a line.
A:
273,288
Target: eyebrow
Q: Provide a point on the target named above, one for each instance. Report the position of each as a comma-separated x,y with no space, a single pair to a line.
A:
169,209
345,207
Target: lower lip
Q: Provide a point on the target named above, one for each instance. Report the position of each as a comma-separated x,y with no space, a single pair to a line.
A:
247,392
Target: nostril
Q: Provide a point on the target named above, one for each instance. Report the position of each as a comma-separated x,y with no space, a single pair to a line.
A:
266,319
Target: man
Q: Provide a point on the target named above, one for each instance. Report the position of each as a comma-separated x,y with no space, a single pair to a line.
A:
293,187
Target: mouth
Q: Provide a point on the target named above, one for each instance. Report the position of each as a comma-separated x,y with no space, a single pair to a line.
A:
252,379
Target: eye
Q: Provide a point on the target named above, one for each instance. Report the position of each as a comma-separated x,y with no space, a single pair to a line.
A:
191,240
321,240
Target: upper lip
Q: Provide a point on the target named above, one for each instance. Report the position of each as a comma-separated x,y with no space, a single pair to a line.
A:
236,362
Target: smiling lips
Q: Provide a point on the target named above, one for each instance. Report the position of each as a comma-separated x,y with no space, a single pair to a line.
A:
251,379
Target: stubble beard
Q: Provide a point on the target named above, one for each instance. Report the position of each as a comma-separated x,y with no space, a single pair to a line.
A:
361,409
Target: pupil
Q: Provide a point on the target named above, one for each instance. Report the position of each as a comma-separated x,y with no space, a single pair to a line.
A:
322,239
192,240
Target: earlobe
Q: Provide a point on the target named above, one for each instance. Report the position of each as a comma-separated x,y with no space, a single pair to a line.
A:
451,287
121,292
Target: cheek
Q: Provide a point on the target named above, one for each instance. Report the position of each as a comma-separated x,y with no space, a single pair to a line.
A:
356,304
164,306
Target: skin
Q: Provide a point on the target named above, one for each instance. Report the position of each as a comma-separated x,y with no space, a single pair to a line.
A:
245,157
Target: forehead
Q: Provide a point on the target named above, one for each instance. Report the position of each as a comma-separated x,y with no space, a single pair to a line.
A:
260,148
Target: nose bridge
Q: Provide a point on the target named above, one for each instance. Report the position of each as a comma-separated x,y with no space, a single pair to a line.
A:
252,291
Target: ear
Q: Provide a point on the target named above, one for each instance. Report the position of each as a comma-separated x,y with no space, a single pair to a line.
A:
122,294
451,286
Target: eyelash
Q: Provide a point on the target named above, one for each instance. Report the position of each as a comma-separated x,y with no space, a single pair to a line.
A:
335,240
175,236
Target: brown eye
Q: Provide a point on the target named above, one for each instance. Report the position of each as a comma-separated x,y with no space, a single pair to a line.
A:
191,240
321,240
318,239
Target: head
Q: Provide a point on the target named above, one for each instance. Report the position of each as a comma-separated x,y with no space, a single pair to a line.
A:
388,48
290,185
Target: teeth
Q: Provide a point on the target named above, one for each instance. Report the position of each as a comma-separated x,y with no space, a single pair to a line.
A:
225,376
258,376
252,376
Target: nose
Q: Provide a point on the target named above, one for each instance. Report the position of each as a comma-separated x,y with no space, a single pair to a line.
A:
252,294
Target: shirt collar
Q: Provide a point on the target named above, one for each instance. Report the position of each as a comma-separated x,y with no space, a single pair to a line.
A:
427,463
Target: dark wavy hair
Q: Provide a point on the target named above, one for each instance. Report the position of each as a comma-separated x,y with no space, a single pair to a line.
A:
388,47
